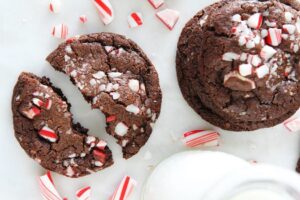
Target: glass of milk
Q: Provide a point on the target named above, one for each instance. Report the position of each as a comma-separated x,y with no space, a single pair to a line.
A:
204,175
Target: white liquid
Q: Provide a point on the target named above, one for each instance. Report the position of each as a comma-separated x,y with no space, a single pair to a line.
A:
261,194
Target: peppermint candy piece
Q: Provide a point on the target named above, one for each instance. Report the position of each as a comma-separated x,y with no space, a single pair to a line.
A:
105,10
230,56
60,31
288,17
84,193
134,85
47,187
55,6
48,104
236,18
37,102
254,60
121,129
124,189
274,37
235,81
101,145
255,21
133,109
156,3
201,138
83,18
245,69
289,28
135,20
99,156
48,134
293,125
267,52
262,71
32,112
169,17
111,118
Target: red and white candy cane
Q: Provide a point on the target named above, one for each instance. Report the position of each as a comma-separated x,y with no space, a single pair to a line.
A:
293,125
83,18
84,193
105,10
274,37
156,3
201,138
124,189
60,31
55,6
169,17
47,188
135,19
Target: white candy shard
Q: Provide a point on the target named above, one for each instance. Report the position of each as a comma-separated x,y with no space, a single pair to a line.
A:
288,17
230,56
255,21
99,75
121,129
236,18
134,85
156,3
133,109
55,6
262,71
267,52
245,69
60,31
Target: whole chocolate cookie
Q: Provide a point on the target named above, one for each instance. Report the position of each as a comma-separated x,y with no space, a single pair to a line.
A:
238,63
115,76
44,128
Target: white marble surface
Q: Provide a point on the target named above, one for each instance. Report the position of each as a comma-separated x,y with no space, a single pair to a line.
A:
25,41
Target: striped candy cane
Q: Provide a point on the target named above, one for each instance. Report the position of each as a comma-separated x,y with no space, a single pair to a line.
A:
201,138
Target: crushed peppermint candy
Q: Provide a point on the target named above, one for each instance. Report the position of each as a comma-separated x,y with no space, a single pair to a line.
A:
255,20
262,71
133,109
135,19
37,102
169,17
55,6
60,31
230,56
121,129
274,37
245,69
84,193
156,3
99,75
32,112
134,85
99,156
201,138
48,134
111,118
83,19
235,81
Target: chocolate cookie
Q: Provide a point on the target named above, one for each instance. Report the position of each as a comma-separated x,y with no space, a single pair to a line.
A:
238,63
115,76
44,128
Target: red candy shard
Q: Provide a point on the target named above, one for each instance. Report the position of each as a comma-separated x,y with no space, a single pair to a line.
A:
47,187
201,137
111,118
135,19
99,155
37,102
32,112
105,10
48,134
124,189
84,193
48,104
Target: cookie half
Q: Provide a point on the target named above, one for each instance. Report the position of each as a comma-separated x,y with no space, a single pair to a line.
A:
116,77
238,63
44,128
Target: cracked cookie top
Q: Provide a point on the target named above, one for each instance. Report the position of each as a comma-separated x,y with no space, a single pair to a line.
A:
44,127
115,76
242,59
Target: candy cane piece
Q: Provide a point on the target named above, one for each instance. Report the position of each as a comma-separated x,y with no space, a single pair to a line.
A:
48,134
37,102
156,3
293,125
201,138
32,112
55,6
60,31
84,193
47,187
83,19
169,17
105,10
124,189
135,19
274,37
255,21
